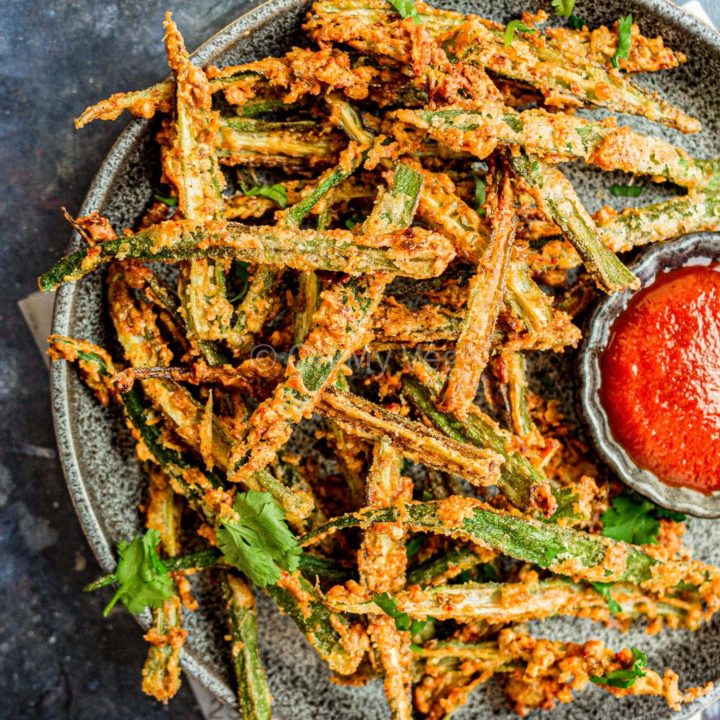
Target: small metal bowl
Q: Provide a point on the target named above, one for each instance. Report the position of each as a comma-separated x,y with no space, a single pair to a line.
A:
699,249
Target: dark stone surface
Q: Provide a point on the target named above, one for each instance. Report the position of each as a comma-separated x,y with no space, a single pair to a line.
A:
58,657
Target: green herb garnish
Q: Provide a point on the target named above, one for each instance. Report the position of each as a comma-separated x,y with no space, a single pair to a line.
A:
516,26
143,579
635,520
624,38
626,190
480,194
169,201
604,590
406,8
258,542
624,678
388,604
564,8
276,193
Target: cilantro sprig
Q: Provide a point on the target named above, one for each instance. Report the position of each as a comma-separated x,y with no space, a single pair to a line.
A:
406,8
604,589
258,542
277,193
564,8
516,26
626,677
634,519
618,190
142,577
624,39
388,604
167,199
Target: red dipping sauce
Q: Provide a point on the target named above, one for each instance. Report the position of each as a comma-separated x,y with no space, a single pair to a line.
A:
661,378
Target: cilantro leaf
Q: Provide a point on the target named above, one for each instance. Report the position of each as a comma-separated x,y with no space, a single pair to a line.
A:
516,26
577,23
630,518
564,8
258,542
143,579
406,8
277,193
388,604
604,589
169,201
624,39
626,190
624,678
661,512
352,221
634,519
480,194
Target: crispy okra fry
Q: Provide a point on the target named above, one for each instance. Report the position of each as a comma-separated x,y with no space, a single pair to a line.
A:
94,363
444,211
415,441
559,137
255,308
382,560
249,87
564,78
635,227
517,391
250,144
340,326
528,682
160,295
190,163
412,252
166,636
339,643
252,686
522,483
162,511
557,198
487,287
140,339
191,166
500,603
445,566
395,324
562,550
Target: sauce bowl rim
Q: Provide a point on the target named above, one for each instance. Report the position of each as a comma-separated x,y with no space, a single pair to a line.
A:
690,250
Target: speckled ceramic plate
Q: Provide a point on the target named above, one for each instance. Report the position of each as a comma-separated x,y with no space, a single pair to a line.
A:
97,453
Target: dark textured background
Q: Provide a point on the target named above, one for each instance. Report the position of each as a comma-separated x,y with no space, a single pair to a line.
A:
58,658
